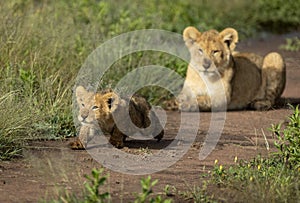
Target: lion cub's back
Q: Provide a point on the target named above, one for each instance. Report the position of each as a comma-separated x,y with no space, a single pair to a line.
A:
247,81
139,111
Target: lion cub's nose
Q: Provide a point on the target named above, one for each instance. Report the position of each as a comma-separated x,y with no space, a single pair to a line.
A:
84,116
206,63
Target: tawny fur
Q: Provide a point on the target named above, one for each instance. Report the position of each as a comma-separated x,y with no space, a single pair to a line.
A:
100,109
219,77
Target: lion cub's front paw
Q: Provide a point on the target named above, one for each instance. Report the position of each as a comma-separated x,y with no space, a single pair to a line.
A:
76,145
204,102
160,136
188,106
116,143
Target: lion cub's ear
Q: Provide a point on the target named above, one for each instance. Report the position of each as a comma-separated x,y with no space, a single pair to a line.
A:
230,37
111,100
190,35
80,92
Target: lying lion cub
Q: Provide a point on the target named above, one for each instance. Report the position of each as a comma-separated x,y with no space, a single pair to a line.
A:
217,76
101,109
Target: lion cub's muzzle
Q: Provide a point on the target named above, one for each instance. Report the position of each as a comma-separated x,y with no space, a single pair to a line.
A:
85,117
206,63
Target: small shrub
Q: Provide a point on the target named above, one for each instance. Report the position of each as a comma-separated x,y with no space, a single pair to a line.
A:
92,187
288,143
258,180
292,44
272,179
147,185
91,192
198,194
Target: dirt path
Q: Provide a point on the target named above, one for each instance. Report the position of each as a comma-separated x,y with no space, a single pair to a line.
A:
51,166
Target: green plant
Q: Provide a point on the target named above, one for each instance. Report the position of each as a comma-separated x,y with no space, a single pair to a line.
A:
198,194
170,190
272,179
147,185
219,173
291,44
288,142
258,180
91,192
92,187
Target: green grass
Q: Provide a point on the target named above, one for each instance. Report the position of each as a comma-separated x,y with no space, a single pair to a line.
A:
258,180
44,43
266,179
288,143
96,182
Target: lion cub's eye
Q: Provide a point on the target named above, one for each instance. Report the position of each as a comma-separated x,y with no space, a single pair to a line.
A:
200,51
215,52
95,107
82,104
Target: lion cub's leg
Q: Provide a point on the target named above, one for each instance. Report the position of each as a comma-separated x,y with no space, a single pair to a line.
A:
201,103
273,76
157,128
187,105
204,102
117,138
81,141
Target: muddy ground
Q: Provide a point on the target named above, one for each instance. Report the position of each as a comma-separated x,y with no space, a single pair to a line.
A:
50,167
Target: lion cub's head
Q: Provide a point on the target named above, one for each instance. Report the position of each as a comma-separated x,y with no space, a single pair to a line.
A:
210,50
94,107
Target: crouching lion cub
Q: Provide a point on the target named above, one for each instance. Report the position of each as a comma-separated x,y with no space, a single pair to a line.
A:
246,79
103,109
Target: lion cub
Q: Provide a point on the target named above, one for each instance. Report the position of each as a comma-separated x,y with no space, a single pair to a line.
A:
114,115
217,76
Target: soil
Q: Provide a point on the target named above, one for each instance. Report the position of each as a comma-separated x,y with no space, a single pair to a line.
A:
50,168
